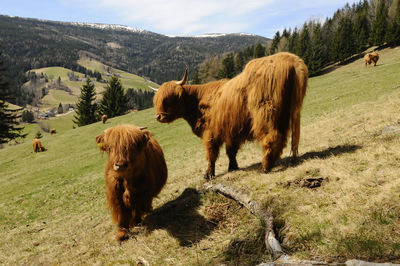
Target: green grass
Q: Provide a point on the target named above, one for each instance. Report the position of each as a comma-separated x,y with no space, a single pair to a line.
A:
53,209
128,80
54,97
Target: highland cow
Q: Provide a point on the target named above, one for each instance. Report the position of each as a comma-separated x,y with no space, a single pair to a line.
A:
134,175
53,131
104,118
37,146
370,58
263,103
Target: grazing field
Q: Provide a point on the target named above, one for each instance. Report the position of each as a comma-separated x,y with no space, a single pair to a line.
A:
128,80
338,201
56,96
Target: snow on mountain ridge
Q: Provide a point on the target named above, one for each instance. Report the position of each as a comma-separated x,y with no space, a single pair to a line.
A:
108,26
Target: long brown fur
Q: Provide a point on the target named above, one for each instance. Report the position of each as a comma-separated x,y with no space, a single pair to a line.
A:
263,103
104,118
370,58
37,146
135,173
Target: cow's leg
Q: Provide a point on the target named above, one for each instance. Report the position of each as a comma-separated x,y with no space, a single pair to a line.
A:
123,223
231,151
116,198
273,144
295,133
212,151
136,217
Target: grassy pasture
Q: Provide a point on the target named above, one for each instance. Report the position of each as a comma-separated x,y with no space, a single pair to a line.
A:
128,80
54,97
339,201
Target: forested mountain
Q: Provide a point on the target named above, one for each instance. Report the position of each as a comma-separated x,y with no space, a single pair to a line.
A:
31,43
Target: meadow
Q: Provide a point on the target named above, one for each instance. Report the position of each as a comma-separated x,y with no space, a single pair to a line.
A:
339,201
55,96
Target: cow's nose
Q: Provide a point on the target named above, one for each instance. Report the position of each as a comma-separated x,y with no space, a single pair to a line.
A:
158,117
120,166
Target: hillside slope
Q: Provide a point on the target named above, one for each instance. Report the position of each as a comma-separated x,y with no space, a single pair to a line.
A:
60,88
31,43
53,211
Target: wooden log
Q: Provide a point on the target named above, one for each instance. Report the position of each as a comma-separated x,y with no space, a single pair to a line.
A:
266,216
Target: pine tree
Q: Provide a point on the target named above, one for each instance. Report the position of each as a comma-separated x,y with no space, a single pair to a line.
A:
259,51
114,102
38,135
315,63
9,129
275,42
195,76
227,69
304,43
393,33
86,108
361,26
60,109
240,61
344,41
379,26
294,42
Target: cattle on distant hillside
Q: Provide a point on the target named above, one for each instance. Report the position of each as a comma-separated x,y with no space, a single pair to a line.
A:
370,58
104,118
262,103
135,173
53,131
37,146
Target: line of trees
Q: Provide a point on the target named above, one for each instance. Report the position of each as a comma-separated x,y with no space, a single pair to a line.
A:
349,32
114,102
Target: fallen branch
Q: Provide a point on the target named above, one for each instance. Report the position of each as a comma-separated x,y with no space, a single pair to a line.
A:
271,242
266,216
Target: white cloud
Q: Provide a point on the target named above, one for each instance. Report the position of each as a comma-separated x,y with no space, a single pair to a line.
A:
193,17
180,17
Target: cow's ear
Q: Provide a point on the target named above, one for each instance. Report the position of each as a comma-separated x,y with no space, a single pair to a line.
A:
144,138
100,142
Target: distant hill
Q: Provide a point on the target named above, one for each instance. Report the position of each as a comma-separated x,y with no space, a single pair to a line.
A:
49,86
31,44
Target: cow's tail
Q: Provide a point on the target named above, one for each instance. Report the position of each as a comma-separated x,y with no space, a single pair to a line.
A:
298,93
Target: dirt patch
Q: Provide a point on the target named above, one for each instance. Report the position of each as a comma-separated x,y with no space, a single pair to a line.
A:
310,179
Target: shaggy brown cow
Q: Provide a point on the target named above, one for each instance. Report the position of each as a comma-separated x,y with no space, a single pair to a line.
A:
135,174
104,118
53,131
370,58
37,146
263,103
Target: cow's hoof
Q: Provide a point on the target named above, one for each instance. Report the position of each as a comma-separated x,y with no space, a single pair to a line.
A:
122,235
266,169
233,168
209,176
137,221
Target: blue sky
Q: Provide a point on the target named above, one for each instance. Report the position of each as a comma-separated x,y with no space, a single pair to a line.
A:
181,17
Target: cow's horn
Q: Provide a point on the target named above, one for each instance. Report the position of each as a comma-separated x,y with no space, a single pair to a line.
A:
154,89
142,128
183,81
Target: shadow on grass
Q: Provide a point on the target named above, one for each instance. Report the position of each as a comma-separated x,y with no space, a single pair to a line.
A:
181,219
287,162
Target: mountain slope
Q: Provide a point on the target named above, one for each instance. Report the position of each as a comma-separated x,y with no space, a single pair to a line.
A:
30,44
53,210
